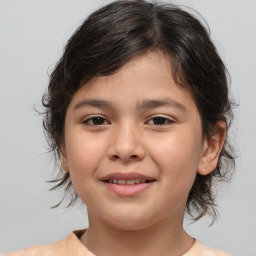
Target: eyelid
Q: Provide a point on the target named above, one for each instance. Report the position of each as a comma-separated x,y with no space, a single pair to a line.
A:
168,118
91,117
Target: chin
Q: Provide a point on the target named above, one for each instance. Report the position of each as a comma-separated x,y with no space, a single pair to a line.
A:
130,226
131,223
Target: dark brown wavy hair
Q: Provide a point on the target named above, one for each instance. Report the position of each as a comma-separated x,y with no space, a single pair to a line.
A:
114,34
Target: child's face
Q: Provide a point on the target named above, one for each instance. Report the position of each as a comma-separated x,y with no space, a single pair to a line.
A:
134,123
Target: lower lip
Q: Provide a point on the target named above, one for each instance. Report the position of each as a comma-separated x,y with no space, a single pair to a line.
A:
127,190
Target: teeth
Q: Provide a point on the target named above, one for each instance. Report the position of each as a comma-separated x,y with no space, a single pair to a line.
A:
127,182
121,182
130,182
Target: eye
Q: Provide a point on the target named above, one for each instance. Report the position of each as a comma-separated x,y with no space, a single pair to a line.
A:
95,121
160,120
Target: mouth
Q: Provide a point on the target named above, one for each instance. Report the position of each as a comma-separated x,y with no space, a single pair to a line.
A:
131,178
127,184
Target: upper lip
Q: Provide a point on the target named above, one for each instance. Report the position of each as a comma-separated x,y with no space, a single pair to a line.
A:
126,176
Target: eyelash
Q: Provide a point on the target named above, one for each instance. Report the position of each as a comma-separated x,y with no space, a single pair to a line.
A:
95,118
103,121
161,118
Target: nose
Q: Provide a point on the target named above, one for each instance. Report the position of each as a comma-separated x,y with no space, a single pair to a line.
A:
126,144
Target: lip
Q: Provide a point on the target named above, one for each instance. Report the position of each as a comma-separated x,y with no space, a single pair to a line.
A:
127,190
126,176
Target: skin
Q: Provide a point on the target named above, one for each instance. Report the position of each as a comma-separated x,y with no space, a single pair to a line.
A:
162,141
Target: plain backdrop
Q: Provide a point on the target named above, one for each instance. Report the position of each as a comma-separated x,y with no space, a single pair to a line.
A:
32,36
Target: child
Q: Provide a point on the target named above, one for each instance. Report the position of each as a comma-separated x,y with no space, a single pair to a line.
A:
137,110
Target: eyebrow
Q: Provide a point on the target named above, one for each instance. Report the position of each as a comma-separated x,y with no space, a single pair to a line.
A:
94,103
145,104
154,103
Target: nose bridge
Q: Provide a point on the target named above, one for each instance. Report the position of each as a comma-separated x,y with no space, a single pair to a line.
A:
126,141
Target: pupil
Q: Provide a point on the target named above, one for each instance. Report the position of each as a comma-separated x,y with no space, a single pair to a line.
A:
98,120
159,120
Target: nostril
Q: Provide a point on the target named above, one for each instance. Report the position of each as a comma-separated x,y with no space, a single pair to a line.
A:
131,157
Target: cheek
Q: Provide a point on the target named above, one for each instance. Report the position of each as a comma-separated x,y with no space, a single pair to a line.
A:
84,157
177,157
84,154
179,148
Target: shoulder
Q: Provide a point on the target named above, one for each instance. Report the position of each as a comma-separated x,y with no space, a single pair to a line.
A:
201,250
70,246
213,252
43,250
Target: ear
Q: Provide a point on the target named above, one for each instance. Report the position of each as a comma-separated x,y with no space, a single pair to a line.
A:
212,147
64,159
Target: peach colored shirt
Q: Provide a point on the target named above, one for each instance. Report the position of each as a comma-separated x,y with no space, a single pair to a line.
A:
71,246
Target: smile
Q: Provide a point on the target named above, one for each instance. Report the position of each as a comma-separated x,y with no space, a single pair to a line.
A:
127,184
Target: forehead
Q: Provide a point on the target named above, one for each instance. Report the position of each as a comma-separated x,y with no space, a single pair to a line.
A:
147,76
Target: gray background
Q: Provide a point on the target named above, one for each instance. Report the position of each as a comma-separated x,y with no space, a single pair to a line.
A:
32,36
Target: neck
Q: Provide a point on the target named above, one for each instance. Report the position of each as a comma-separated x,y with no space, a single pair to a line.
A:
165,238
